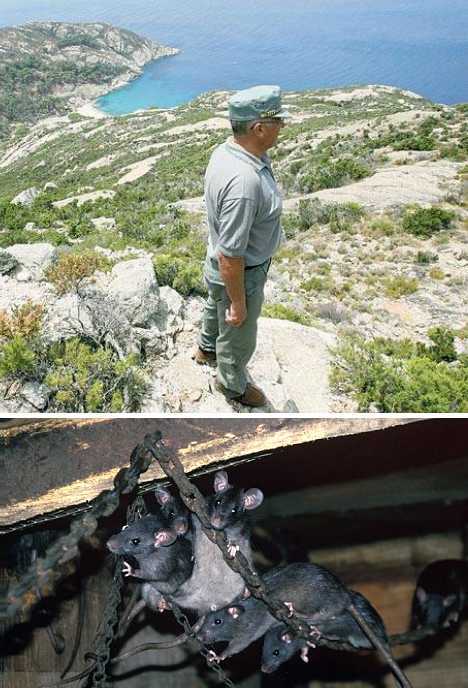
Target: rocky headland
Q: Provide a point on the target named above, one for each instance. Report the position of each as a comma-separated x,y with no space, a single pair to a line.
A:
51,68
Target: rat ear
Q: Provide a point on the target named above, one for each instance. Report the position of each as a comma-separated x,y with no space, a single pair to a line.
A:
421,594
162,495
286,638
221,481
252,498
180,525
163,538
235,612
449,600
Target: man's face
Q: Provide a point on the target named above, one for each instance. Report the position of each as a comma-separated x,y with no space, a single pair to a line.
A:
268,131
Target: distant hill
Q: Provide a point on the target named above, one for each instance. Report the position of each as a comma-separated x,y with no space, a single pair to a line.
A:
47,66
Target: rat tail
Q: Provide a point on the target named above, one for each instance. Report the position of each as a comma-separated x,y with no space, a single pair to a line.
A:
380,646
165,645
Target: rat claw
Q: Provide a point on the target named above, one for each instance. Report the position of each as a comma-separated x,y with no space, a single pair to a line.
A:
213,657
314,633
233,549
127,569
290,607
163,605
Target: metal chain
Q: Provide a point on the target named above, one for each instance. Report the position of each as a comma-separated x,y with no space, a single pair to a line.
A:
202,649
195,501
106,634
58,561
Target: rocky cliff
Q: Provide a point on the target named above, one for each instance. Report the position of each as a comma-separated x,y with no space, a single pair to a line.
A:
46,67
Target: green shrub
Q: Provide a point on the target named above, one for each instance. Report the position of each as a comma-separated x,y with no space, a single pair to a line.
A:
426,257
17,359
282,312
402,377
182,274
442,347
315,283
424,222
314,211
90,379
334,173
395,287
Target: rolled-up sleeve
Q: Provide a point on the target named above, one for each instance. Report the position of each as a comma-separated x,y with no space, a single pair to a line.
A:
236,218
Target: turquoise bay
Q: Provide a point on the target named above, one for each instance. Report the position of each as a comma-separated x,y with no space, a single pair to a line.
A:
420,45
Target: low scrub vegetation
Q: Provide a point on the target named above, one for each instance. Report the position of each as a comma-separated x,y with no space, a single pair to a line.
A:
402,376
78,375
424,222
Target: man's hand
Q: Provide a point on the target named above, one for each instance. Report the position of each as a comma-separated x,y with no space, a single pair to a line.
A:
232,274
236,315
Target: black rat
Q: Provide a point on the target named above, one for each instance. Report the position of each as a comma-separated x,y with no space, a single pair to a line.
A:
213,584
279,643
313,592
441,594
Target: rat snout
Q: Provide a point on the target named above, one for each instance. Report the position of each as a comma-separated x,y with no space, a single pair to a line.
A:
113,544
267,669
216,521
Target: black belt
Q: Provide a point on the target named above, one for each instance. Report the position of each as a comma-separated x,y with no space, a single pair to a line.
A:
251,267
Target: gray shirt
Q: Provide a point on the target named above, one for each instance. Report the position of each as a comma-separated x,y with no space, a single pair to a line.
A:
244,207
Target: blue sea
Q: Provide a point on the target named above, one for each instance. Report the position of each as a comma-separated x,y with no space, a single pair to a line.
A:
421,45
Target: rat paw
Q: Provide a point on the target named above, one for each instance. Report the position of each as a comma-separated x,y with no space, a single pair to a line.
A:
233,549
290,607
213,658
163,605
305,654
127,569
314,633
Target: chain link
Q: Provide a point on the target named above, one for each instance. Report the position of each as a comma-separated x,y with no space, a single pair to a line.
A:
202,649
58,561
195,501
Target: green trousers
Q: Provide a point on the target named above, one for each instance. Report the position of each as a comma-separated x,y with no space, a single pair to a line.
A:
234,346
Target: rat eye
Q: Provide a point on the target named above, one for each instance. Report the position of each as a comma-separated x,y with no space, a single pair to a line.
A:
217,502
171,514
218,621
276,653
136,541
234,510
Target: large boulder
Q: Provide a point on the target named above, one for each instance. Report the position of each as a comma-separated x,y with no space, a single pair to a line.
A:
133,284
26,197
33,260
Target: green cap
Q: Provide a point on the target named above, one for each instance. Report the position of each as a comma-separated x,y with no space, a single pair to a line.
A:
258,102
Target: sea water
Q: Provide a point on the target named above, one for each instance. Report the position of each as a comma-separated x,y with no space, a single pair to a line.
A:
420,45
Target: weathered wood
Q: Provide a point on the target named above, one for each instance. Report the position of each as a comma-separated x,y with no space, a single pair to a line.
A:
55,464
443,482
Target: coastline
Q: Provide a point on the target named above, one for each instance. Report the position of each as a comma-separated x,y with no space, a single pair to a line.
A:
90,108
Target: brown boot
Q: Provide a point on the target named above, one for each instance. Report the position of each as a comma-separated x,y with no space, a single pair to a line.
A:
201,357
253,396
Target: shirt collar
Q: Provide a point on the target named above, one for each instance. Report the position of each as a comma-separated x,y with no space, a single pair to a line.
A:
240,152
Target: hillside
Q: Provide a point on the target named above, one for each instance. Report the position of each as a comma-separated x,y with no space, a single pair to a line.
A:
375,257
46,67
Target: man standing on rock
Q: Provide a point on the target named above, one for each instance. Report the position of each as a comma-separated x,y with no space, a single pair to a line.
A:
244,208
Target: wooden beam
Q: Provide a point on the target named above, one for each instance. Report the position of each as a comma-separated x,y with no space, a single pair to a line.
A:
445,482
54,464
